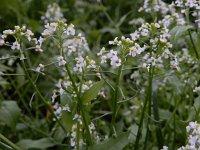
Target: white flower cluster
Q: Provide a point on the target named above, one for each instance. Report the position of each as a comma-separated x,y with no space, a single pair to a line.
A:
193,139
190,4
158,6
77,44
53,14
169,12
82,64
61,85
75,127
187,3
185,57
175,17
59,109
112,55
158,43
73,137
17,33
51,28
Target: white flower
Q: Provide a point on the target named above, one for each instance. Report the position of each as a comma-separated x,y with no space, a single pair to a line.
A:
70,30
40,68
157,25
58,111
80,63
91,126
115,42
147,66
2,42
134,50
53,97
66,108
111,54
134,36
7,32
175,64
144,32
101,52
53,14
103,59
197,89
77,117
46,32
39,44
51,27
15,45
164,148
115,61
61,61
28,34
91,64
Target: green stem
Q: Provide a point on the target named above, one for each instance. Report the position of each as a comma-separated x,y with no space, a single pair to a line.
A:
80,105
157,118
4,139
40,95
146,138
193,45
147,100
21,98
114,102
190,35
149,108
174,138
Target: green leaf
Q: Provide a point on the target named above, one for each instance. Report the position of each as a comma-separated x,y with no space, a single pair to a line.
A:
9,113
113,143
197,103
43,143
179,31
92,92
67,120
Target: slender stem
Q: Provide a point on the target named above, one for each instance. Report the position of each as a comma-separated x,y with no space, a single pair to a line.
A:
80,105
149,107
40,95
114,102
193,44
147,99
146,138
20,96
174,138
157,118
190,35
14,146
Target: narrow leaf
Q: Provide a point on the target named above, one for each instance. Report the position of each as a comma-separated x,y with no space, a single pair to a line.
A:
9,113
179,31
43,143
92,92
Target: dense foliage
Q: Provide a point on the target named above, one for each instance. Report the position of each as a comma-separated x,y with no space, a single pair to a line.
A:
99,75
